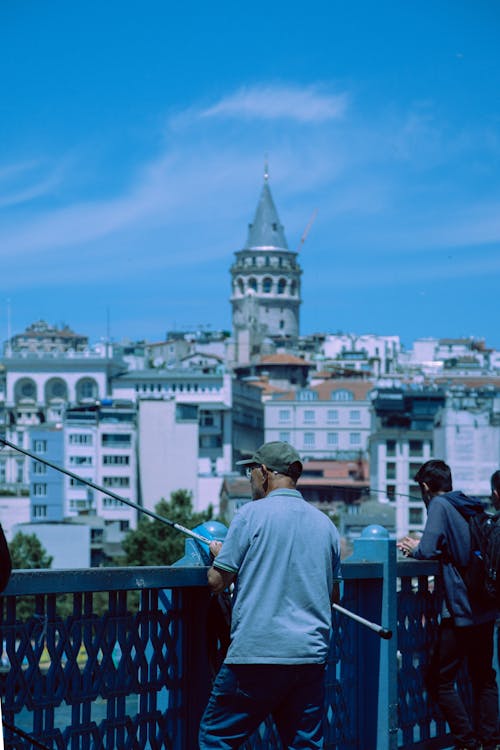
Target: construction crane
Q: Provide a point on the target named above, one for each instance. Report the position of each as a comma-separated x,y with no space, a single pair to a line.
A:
307,229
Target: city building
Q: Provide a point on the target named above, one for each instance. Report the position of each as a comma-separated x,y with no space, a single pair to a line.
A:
41,337
330,420
401,440
377,355
467,437
206,394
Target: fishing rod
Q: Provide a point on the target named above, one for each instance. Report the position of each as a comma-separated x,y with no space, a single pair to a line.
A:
379,629
107,492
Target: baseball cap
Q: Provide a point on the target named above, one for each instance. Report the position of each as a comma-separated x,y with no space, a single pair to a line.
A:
276,455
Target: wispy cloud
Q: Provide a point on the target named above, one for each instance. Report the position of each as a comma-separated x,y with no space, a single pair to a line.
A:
24,181
307,104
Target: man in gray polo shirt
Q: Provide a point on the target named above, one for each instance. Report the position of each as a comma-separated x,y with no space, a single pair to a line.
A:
284,556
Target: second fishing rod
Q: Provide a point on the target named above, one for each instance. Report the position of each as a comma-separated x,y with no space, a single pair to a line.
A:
382,632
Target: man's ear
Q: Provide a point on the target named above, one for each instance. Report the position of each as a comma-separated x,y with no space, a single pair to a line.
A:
425,487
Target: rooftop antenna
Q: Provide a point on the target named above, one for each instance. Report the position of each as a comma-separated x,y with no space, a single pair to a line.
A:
307,229
8,349
108,330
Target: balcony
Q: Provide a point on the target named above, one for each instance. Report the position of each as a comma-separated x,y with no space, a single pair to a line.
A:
116,658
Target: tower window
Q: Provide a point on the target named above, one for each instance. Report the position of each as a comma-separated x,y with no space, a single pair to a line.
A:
252,284
282,323
281,286
267,285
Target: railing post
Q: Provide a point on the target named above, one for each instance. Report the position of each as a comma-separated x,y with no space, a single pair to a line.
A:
196,672
374,545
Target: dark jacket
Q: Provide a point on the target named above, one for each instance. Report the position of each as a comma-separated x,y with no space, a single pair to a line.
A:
446,538
5,561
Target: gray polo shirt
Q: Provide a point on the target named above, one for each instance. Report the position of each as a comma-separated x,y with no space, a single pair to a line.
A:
286,554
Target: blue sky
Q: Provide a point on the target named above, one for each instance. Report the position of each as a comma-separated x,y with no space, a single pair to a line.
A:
133,138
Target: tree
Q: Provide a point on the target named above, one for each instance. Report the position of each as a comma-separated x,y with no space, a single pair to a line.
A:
27,552
156,543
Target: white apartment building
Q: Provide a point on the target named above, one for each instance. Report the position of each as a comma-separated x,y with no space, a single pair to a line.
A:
401,441
330,420
395,458
100,445
377,354
208,392
37,387
467,437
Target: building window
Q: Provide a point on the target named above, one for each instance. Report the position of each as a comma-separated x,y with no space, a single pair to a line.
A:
391,492
354,438
267,285
40,446
252,283
390,448
210,441
416,448
284,415
86,389
309,416
116,460
206,419
119,440
281,285
412,470
354,415
39,511
284,437
80,461
309,439
39,489
306,394
332,415
39,468
20,470
342,395
416,516
332,439
3,472
110,502
116,481
76,483
390,470
80,438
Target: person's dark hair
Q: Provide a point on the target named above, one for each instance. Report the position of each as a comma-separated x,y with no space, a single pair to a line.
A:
295,470
436,475
495,482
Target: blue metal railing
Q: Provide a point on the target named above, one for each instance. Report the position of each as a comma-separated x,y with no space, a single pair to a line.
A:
122,661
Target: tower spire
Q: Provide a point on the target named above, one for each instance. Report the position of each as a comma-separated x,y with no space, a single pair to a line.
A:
266,168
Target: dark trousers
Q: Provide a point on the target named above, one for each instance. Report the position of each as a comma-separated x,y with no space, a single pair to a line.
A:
244,695
473,645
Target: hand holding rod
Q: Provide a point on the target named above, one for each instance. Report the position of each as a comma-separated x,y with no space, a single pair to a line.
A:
107,492
382,632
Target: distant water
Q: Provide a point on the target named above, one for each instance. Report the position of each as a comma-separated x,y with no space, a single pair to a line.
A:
62,714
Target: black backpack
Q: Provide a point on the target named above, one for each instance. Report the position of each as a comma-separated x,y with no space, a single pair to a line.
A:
482,574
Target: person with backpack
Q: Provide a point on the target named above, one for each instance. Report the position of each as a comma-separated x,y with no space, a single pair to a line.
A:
467,621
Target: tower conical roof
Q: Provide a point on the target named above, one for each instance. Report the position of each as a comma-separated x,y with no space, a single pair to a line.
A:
266,229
